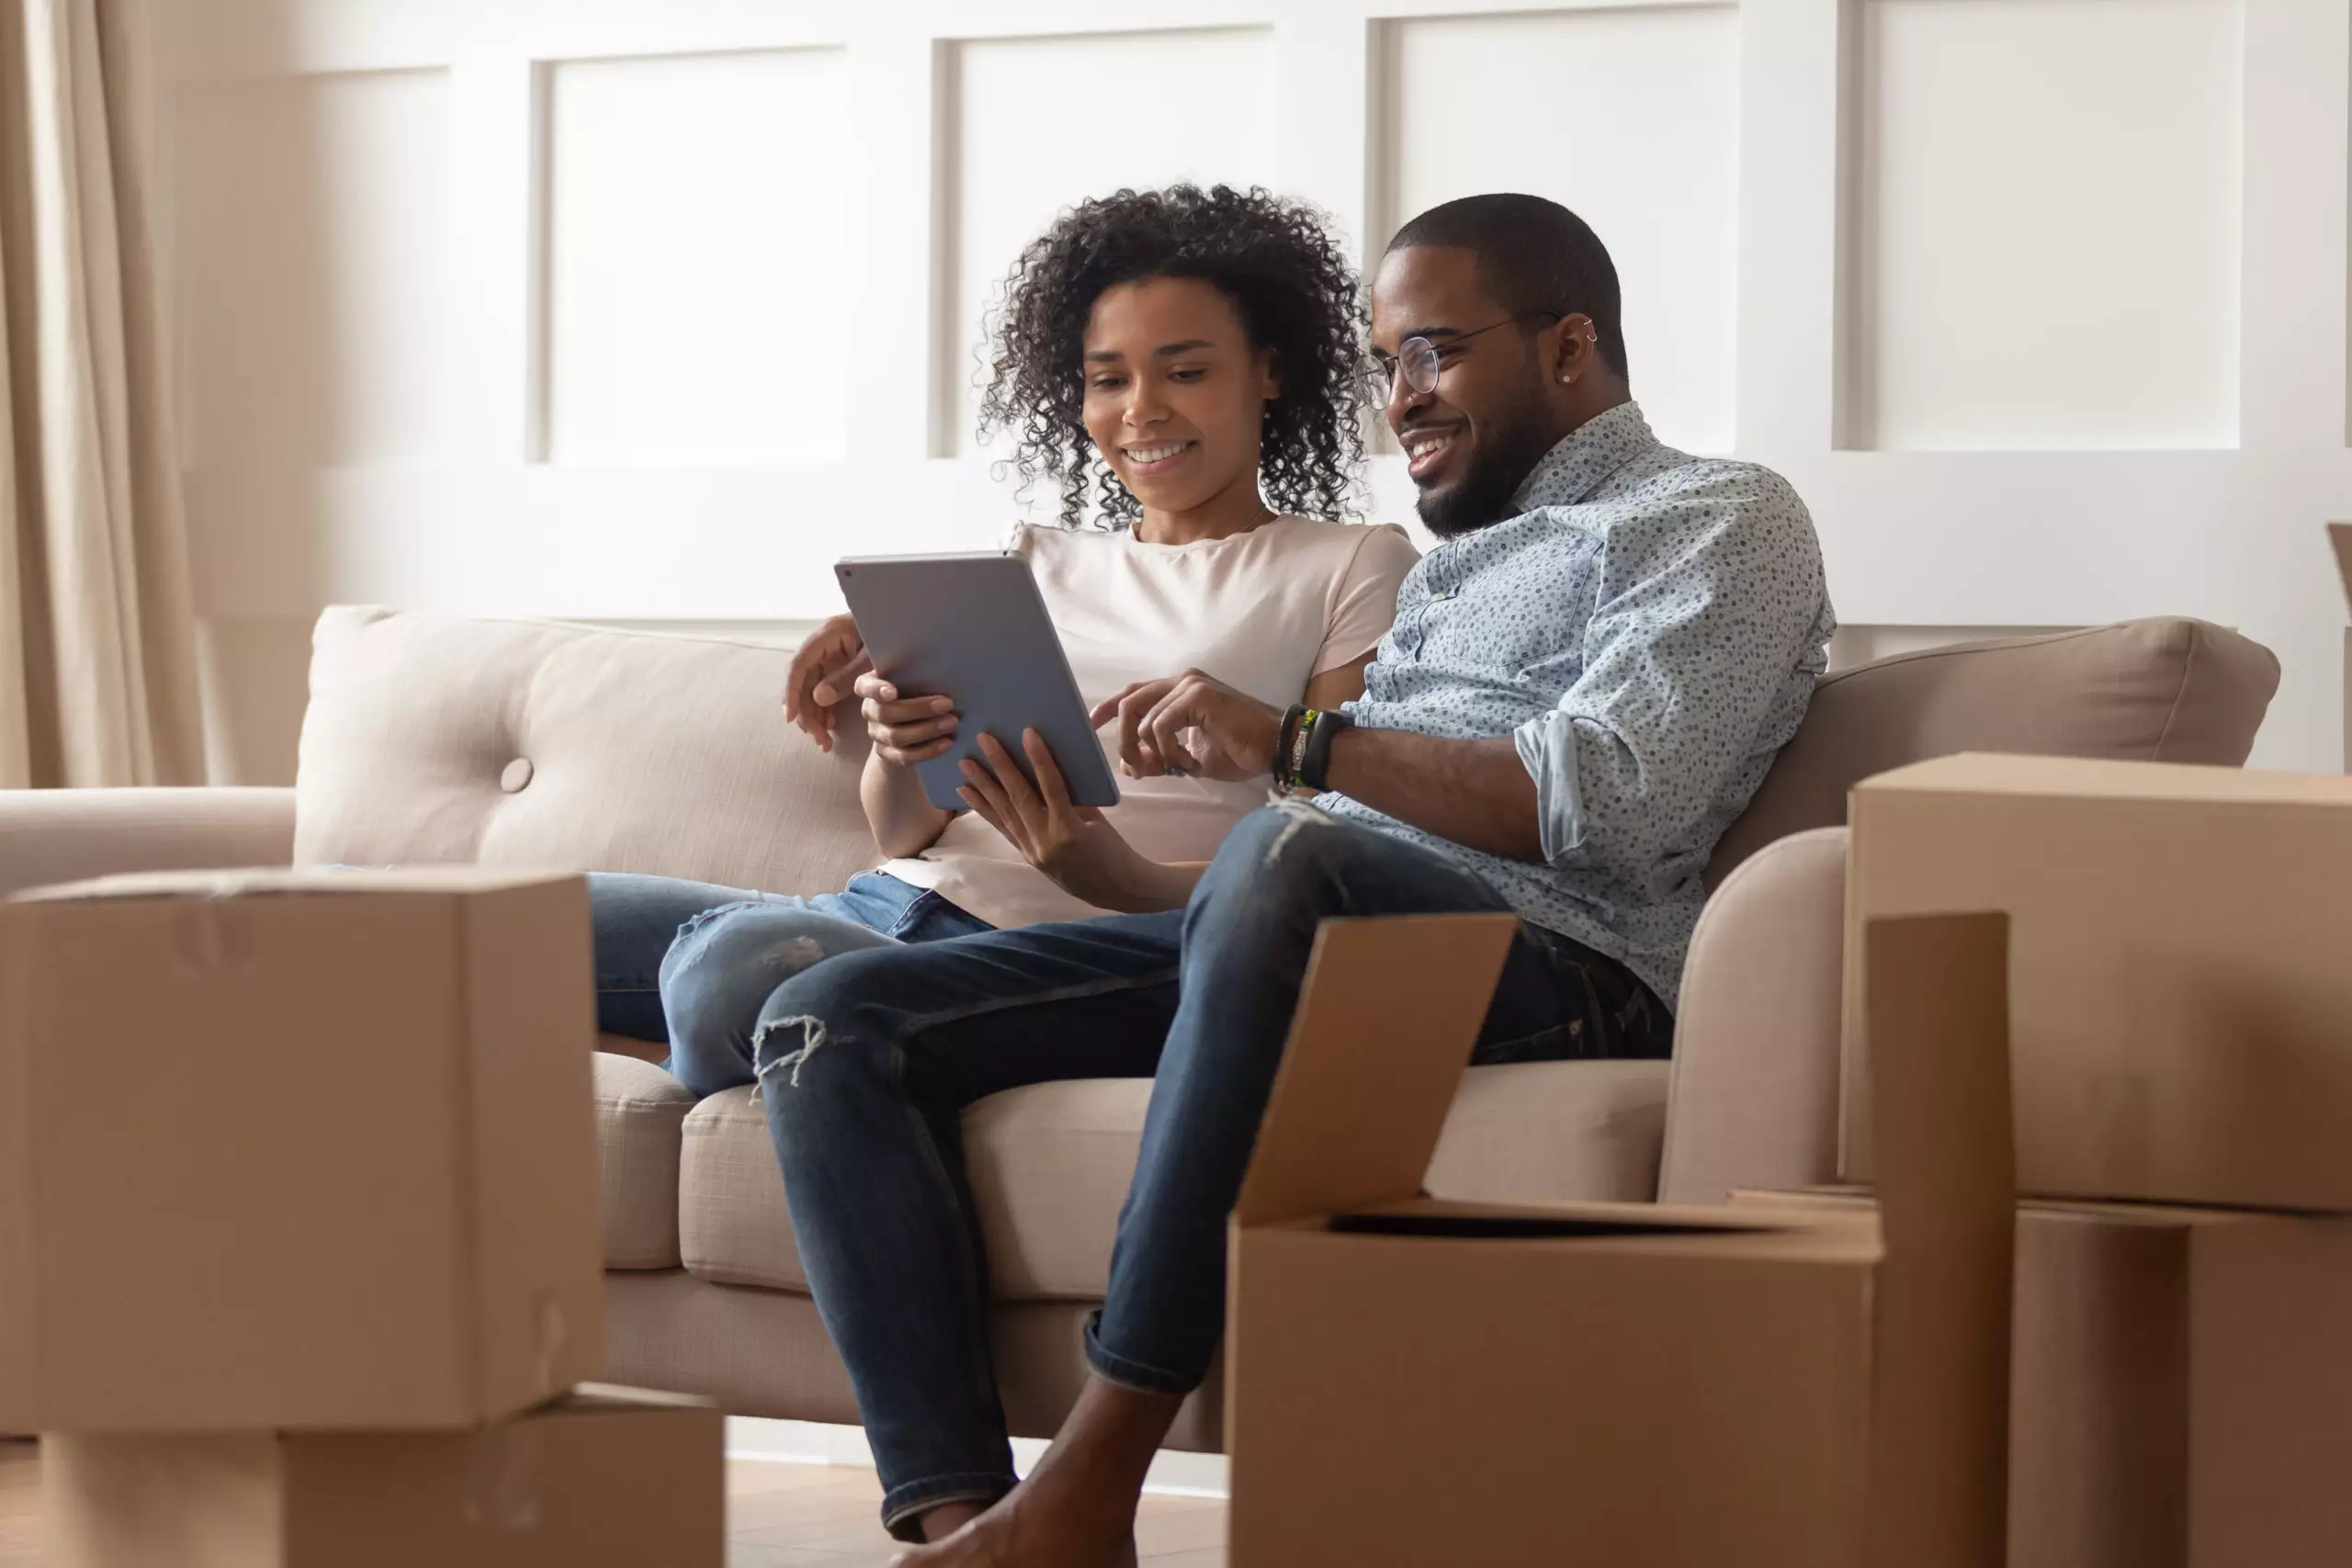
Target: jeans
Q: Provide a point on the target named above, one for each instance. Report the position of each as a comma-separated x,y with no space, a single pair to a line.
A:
869,1059
708,956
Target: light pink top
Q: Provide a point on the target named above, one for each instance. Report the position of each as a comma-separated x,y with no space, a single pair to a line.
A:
1264,611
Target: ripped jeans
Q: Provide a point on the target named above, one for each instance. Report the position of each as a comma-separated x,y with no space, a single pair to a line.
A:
690,965
873,1054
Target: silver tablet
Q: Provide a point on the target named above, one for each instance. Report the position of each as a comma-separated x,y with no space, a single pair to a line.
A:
974,628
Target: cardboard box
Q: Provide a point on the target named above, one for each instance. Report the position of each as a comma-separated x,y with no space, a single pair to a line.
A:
2180,1391
2180,968
295,1150
1412,1382
604,1478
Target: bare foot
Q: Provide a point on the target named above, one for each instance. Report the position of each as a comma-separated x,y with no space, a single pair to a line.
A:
1054,1519
1077,1508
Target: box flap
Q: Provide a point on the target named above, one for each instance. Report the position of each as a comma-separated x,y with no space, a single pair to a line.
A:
1386,1019
2340,535
618,1396
1937,1032
2085,778
260,881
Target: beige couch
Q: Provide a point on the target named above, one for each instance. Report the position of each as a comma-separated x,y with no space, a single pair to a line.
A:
431,739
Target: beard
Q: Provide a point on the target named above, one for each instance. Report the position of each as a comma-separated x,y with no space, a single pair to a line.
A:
1506,452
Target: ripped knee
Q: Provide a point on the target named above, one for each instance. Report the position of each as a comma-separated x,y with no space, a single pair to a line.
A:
766,1063
1297,817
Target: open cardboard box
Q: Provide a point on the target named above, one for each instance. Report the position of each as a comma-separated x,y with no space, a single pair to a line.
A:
2180,966
1412,1382
2180,1392
288,1149
602,1478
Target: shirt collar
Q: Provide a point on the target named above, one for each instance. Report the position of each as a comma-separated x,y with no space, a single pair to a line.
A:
1572,471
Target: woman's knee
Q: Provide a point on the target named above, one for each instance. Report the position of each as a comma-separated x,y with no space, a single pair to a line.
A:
817,1036
721,972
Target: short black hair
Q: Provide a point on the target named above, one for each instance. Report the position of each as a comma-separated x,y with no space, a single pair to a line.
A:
1534,257
1289,280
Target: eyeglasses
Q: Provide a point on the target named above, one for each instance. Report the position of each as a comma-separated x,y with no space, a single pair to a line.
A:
1418,359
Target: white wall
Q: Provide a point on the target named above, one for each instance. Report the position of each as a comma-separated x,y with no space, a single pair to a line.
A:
626,310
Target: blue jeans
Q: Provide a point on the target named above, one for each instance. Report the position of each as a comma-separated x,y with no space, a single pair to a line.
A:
709,956
869,1059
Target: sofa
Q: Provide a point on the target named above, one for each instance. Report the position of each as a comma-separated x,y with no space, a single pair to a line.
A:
434,740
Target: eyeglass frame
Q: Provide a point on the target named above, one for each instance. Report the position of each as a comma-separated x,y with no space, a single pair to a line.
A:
1380,376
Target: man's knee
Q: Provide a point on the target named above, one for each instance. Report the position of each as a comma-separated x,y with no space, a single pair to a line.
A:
1283,860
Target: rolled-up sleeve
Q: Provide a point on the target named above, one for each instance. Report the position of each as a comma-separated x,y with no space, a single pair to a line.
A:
1706,604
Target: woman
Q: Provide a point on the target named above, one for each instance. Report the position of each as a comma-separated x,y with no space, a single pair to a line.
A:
1190,361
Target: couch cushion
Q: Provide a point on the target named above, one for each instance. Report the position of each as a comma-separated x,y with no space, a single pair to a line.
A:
1049,1167
2160,691
640,1109
522,743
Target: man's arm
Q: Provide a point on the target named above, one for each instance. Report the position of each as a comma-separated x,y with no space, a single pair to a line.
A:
1706,610
1475,793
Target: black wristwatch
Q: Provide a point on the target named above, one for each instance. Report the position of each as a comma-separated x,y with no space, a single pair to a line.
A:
1322,729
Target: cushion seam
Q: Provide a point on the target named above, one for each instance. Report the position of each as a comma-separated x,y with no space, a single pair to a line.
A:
2181,695
1959,650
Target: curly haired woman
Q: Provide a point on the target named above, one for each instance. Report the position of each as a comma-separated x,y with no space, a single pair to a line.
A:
1191,359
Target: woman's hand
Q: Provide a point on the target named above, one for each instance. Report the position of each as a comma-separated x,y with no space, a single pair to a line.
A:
821,672
1233,734
1072,844
905,731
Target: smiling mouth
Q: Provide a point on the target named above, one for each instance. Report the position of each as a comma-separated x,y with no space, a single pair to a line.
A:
1425,449
1148,459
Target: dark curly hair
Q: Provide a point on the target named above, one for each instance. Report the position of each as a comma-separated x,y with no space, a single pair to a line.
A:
1288,281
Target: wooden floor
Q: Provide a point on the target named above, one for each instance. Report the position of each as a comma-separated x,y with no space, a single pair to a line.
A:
778,1515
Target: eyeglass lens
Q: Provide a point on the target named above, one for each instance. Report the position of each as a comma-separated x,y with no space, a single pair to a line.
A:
1415,361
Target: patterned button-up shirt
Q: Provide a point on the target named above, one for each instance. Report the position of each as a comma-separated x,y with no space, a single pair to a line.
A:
1648,629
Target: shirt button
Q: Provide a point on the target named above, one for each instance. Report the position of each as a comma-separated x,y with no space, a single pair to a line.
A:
517,774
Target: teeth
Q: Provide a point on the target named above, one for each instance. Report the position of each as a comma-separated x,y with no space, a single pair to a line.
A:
1422,446
1154,453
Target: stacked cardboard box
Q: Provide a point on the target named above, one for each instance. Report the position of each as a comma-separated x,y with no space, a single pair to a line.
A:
1413,1382
2166,1378
2182,1001
298,1235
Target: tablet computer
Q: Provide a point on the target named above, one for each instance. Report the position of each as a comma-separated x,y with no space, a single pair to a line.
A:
974,628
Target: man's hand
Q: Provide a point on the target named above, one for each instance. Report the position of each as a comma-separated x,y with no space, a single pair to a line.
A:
1193,724
905,731
1072,844
833,656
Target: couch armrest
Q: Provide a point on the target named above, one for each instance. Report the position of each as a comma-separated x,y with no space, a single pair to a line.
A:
1753,1102
64,835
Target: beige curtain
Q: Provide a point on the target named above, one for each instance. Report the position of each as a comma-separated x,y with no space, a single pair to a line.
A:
97,639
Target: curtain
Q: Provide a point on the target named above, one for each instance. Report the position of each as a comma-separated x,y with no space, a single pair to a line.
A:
97,631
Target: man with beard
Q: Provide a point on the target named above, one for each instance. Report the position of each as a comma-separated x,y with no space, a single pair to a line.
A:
1586,680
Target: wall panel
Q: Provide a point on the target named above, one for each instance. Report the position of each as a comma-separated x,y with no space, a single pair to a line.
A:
695,258
1629,118
1039,123
610,309
2048,214
315,279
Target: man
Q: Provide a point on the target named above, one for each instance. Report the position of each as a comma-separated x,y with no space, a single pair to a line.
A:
1586,682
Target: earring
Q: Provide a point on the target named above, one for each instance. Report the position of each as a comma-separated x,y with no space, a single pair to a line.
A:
1568,379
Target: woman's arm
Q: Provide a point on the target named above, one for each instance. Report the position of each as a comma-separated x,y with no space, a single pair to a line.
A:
904,820
905,731
1340,683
